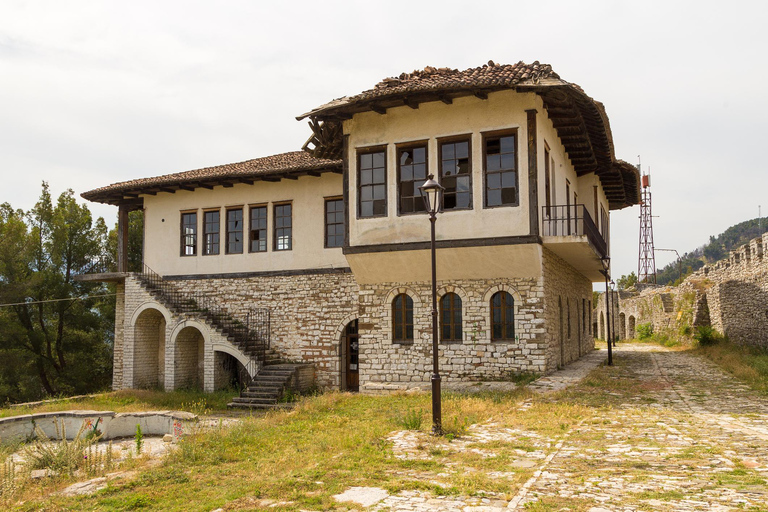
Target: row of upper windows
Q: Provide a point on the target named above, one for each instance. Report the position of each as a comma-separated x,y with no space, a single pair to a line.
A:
282,229
455,173
502,316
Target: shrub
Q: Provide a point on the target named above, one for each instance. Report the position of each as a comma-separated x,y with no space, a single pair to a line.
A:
706,335
644,331
411,420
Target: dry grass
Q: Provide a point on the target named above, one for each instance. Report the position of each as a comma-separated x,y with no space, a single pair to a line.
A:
748,364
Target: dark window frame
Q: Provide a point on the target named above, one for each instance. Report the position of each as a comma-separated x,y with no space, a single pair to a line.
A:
206,245
228,232
335,199
276,228
547,181
400,318
369,151
499,134
184,235
418,200
265,229
503,307
455,326
453,139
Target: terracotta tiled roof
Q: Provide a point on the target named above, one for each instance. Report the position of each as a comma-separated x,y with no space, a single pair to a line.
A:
430,79
275,166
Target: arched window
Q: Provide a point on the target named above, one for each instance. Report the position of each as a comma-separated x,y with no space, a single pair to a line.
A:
450,317
502,316
402,319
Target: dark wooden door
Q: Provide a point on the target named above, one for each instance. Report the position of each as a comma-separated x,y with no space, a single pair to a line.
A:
352,357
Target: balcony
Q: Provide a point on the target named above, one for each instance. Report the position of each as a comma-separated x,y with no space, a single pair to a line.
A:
570,232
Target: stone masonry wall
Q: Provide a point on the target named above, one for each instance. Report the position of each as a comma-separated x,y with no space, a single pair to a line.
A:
570,336
308,313
385,365
732,295
119,340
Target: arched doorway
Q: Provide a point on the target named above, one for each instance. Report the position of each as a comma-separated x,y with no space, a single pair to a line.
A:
349,353
622,326
188,357
632,334
149,350
228,372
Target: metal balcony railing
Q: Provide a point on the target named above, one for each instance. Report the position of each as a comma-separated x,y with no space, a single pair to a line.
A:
572,220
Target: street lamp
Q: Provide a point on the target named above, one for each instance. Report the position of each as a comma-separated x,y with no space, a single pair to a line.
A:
613,330
431,193
606,267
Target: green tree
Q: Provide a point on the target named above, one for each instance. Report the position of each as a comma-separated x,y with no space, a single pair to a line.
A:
627,281
54,326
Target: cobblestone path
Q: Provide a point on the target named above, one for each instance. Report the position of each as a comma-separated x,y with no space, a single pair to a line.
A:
679,435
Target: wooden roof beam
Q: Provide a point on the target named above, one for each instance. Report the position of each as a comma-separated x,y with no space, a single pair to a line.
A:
480,94
378,109
271,179
445,99
411,103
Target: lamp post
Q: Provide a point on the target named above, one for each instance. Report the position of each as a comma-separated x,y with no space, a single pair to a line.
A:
431,192
606,266
613,330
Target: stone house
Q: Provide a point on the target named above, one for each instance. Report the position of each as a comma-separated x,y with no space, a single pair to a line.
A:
322,256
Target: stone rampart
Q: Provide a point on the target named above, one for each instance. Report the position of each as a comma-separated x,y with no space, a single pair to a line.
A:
731,295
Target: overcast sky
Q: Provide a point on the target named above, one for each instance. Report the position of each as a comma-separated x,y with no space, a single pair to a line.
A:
92,93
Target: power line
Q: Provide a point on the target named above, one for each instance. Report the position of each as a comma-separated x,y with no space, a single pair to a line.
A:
58,300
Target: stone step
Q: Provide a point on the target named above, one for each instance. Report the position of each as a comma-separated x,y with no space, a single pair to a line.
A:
255,400
235,405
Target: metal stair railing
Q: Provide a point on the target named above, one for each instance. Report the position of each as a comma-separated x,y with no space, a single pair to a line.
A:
251,335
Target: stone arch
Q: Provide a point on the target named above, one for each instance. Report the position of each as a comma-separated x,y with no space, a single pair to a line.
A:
341,328
622,326
417,304
631,327
230,367
188,342
151,305
149,324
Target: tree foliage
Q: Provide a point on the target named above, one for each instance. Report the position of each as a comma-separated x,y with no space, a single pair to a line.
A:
55,332
718,248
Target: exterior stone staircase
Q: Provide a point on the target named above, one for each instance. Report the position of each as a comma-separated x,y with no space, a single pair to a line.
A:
250,335
267,388
668,302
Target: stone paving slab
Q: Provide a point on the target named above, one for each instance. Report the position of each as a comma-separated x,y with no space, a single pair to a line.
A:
685,436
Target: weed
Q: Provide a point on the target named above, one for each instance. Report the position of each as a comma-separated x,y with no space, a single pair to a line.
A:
60,455
138,439
411,420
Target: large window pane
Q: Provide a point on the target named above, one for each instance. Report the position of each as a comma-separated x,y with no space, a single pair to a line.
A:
372,191
412,172
235,231
501,171
283,227
189,234
211,230
455,174
258,229
334,222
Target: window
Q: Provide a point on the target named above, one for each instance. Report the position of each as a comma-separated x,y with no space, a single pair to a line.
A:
258,228
500,170
283,225
402,319
568,315
189,234
334,222
412,173
211,230
502,316
450,317
584,316
235,231
456,174
372,184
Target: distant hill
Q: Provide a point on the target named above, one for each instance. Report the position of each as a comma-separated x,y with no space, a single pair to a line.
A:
717,249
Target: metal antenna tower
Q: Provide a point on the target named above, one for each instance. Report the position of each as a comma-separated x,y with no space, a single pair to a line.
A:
646,263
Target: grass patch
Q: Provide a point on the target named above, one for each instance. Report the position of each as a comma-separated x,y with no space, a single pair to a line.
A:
135,400
748,364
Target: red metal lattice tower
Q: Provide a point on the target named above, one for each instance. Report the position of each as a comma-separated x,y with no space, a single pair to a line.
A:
646,263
